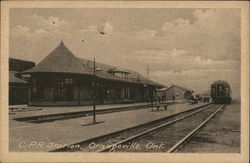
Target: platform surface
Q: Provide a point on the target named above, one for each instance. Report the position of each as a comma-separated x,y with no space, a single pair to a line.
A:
71,131
38,111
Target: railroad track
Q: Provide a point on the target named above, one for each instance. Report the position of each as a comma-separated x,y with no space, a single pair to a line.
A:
136,139
187,137
167,137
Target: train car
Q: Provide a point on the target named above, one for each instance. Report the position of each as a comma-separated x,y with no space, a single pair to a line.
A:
221,92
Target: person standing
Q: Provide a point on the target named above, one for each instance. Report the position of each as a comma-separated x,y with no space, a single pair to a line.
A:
164,98
174,98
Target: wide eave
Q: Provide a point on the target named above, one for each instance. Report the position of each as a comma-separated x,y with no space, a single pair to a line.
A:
62,60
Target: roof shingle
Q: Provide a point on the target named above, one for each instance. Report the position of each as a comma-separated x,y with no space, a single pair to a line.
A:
62,60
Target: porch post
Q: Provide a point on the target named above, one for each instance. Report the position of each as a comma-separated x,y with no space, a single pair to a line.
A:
29,86
29,95
78,91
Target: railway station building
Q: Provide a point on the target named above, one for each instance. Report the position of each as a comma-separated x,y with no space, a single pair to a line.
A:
178,92
63,79
18,88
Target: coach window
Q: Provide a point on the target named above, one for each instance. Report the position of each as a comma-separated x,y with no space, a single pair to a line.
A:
220,90
226,90
213,91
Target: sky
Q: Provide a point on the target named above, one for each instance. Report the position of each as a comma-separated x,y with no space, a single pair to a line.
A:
188,47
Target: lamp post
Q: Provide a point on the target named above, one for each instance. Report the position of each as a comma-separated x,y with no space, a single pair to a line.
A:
95,69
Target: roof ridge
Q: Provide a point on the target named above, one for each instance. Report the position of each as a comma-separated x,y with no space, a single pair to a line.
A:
180,87
60,59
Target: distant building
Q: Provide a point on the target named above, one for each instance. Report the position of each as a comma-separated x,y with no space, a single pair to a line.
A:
206,93
178,92
62,79
161,92
18,89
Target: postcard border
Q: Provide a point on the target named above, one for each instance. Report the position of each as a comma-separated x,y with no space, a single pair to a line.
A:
121,157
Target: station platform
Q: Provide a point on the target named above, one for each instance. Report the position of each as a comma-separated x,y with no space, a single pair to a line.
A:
52,135
38,114
18,111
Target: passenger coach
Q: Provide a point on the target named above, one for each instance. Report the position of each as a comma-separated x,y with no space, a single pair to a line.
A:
221,92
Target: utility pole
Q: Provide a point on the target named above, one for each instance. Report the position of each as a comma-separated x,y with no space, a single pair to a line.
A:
94,93
147,71
95,69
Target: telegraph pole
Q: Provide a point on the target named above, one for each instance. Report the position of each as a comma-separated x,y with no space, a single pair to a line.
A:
147,71
94,93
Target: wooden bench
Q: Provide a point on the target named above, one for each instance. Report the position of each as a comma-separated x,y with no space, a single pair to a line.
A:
158,106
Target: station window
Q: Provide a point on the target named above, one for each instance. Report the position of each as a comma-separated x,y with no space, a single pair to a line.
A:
64,89
33,89
122,75
119,93
38,89
68,81
126,93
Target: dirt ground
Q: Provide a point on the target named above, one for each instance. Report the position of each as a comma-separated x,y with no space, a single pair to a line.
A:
220,135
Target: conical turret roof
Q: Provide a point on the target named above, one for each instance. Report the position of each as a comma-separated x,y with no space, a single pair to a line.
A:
61,60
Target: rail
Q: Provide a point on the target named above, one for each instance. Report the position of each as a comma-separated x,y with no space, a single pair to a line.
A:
193,132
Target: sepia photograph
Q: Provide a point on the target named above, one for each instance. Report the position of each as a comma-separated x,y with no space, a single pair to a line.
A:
109,78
